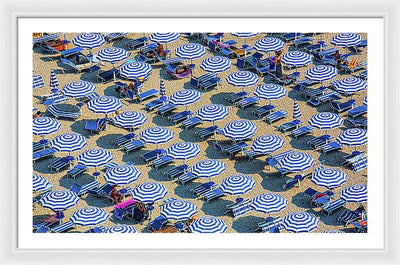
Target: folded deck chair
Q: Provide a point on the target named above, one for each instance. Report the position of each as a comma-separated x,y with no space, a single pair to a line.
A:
207,132
42,144
333,206
133,146
275,116
212,194
58,113
263,111
180,117
320,140
199,190
190,123
340,107
83,189
45,153
359,123
134,44
176,171
357,111
162,161
186,178
247,102
152,155
152,105
288,126
124,139
166,109
76,171
237,97
329,147
296,133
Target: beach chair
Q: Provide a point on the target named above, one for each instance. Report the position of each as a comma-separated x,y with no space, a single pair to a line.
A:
162,161
180,117
302,41
347,69
134,44
166,109
61,163
247,102
207,132
287,37
96,230
96,126
317,101
64,227
152,155
113,36
199,190
333,206
275,116
78,68
53,98
124,139
330,147
59,113
290,183
321,198
263,110
347,216
103,191
71,52
233,149
237,97
363,75
250,154
146,95
176,171
357,111
81,190
45,153
319,141
133,146
152,105
288,126
304,84
190,123
186,178
273,162
314,92
212,194
353,157
340,107
360,164
239,209
210,83
76,171
42,144
296,133
157,224
270,225
359,123
360,227
108,76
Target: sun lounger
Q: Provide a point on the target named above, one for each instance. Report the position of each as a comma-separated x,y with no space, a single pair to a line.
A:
176,171
353,157
78,68
96,230
360,227
247,102
53,99
46,224
180,117
199,190
302,85
152,155
64,227
274,161
347,69
134,44
58,113
233,149
76,171
359,123
287,37
45,153
315,102
264,110
347,216
71,52
103,191
61,163
210,83
302,41
207,132
275,116
270,225
314,92
113,36
166,109
186,178
250,154
212,194
357,111
152,105
162,161
316,47
108,76
96,125
197,82
157,224
288,126
81,190
133,146
239,209
340,107
190,123
360,164
321,198
333,206
42,144
320,140
146,95
363,75
237,97
329,147
124,139
296,133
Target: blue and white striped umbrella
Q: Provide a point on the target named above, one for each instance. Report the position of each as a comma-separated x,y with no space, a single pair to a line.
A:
105,104
68,142
269,44
164,37
130,119
156,135
242,78
216,64
54,84
346,40
149,192
365,101
321,73
190,51
112,54
296,58
183,150
59,200
353,137
355,193
297,161
95,158
325,120
89,216
239,129
178,210
300,222
122,175
162,89
237,184
45,125
78,89
185,97
296,110
350,85
208,225
135,70
88,40
329,177
37,81
270,91
39,183
244,34
208,168
269,203
267,143
123,229
213,112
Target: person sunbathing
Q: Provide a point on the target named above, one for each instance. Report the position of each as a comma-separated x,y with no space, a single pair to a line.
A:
160,50
352,64
182,69
38,114
117,197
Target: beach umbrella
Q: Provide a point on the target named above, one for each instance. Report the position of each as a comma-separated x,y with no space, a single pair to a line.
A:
104,104
88,40
39,183
365,101
122,175
300,222
156,135
355,193
68,142
242,79
244,35
130,119
178,210
54,84
89,216
112,55
353,137
59,200
183,150
208,225
296,110
329,177
333,231
297,161
270,91
325,120
135,70
190,51
350,85
164,37
123,229
78,89
346,40
237,184
213,112
239,129
45,125
296,58
269,203
162,89
321,73
185,97
149,192
95,158
267,144
269,44
216,64
37,81
208,168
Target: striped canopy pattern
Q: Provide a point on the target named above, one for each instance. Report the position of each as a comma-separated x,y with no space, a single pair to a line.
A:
213,112
37,81
178,210
162,88
54,84
95,158
68,142
122,229
240,129
185,97
78,89
300,222
59,200
267,143
104,104
297,161
296,58
350,85
216,64
270,91
112,54
237,184
149,192
88,40
321,73
156,135
269,44
329,177
244,34
346,40
190,51
325,120
208,225
130,119
296,110
268,203
39,183
164,37
353,137
365,101
242,79
208,168
45,125
89,216
183,150
135,70
355,193
122,175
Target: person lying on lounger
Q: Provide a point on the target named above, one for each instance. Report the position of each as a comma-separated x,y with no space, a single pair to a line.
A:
159,50
37,114
182,69
352,64
117,197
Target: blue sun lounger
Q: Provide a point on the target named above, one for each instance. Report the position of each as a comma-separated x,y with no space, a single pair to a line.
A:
303,84
190,123
329,147
133,146
146,95
58,113
357,111
233,149
61,163
113,36
270,225
359,123
340,107
250,154
157,224
134,44
320,140
152,155
45,153
212,194
81,190
166,109
347,69
108,76
288,126
176,171
347,216
287,37
154,104
360,164
247,102
316,47
103,191
275,116
199,190
64,227
42,144
161,161
239,209
186,178
96,126
302,41
237,97
180,117
76,171
263,110
296,133
330,207
124,139
207,132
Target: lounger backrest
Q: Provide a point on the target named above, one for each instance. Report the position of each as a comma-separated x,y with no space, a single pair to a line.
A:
240,63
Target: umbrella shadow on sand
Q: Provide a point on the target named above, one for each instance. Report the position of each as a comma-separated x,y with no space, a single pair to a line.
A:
183,191
106,141
301,142
215,208
110,91
249,167
246,114
81,180
42,166
212,152
79,127
247,224
328,220
189,136
272,181
134,157
333,159
97,202
220,98
161,121
301,200
157,175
